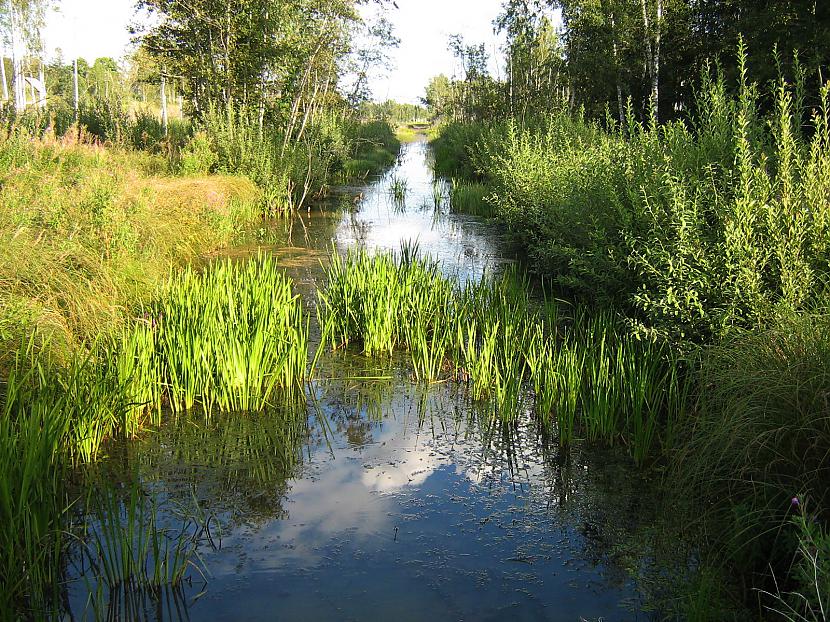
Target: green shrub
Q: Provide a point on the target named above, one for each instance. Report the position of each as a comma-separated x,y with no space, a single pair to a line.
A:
198,156
759,438
693,229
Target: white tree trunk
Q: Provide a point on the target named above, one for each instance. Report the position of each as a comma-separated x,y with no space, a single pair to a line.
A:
3,78
615,49
653,53
655,64
75,88
42,78
164,103
17,60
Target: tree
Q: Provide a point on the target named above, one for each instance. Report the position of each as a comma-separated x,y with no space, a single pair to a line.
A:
282,57
534,57
20,25
438,96
372,54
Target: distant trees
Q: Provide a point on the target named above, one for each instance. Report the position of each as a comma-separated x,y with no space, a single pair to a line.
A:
653,51
282,58
20,25
646,54
393,112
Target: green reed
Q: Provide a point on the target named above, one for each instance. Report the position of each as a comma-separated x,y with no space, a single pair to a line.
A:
387,302
470,198
128,549
438,194
588,375
398,189
231,337
32,497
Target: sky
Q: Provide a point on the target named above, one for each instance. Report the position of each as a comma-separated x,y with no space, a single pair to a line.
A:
95,28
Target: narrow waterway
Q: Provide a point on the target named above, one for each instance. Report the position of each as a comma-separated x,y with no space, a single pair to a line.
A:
396,502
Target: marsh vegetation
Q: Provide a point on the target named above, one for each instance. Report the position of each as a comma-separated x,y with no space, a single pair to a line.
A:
278,333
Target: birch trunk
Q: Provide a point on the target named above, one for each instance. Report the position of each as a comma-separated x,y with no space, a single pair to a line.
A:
3,78
164,104
17,61
615,49
653,54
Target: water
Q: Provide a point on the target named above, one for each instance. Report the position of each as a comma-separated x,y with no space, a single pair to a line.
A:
396,502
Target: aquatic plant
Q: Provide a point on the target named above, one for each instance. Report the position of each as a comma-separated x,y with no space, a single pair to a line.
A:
470,198
231,337
128,549
587,375
438,194
398,189
32,496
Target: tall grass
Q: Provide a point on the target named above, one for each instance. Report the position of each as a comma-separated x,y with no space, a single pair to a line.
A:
233,337
86,234
32,496
760,439
469,198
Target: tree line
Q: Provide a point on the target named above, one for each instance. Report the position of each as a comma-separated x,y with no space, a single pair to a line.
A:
646,55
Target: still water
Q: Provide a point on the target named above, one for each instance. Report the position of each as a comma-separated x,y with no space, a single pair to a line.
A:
393,502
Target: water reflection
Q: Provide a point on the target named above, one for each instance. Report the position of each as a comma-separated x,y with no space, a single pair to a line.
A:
371,217
395,501
391,501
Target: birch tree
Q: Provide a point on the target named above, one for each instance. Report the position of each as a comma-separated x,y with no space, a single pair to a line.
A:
20,25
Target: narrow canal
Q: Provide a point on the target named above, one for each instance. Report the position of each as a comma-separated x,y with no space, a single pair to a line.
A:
396,502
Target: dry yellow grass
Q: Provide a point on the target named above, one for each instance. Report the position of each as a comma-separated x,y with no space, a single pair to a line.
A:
86,234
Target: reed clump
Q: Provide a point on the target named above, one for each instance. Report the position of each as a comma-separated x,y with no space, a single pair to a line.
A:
470,198
233,337
585,376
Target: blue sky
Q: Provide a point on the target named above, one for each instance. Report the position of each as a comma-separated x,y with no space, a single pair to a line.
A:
93,28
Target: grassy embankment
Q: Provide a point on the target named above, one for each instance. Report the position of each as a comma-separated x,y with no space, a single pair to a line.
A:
99,332
711,237
410,132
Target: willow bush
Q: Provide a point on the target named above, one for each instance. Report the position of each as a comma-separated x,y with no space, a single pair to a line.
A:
694,228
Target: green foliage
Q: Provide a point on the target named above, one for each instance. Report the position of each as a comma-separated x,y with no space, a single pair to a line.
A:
393,112
759,438
810,599
469,198
198,156
693,231
233,337
454,147
372,147
587,376
87,233
292,171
